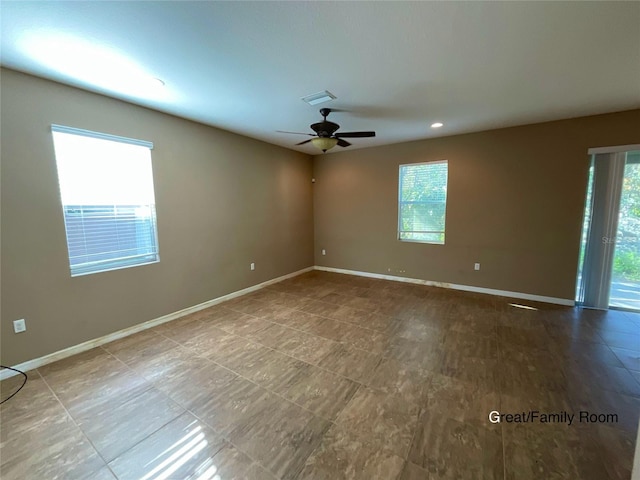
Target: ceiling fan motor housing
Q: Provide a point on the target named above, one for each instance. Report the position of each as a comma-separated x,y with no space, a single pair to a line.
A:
325,128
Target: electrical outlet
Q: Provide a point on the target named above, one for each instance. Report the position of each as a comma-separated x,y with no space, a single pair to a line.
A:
324,252
253,266
19,326
476,266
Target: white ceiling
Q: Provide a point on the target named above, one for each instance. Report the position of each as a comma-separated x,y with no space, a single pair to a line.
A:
396,67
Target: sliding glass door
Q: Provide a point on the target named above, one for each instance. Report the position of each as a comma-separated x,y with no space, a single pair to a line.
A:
625,278
610,251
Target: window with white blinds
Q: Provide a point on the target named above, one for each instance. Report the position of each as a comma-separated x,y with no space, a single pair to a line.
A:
108,202
422,202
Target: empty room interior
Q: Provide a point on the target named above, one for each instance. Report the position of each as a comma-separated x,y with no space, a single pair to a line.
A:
320,240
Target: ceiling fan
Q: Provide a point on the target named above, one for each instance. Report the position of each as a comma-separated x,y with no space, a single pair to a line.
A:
327,136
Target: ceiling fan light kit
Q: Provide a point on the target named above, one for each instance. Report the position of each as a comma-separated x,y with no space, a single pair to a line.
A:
324,143
327,135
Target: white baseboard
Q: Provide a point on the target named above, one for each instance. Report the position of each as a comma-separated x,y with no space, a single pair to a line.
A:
88,345
467,288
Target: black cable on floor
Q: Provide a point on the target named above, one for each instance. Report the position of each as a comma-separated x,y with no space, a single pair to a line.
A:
23,383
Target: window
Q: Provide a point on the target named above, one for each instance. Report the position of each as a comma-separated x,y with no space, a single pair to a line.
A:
422,202
106,187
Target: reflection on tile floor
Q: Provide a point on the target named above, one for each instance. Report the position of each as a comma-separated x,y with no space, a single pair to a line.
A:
328,376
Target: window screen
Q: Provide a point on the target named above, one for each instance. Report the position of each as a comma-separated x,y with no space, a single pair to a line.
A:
422,202
108,203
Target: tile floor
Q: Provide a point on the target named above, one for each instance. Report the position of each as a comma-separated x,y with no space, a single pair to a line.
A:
328,376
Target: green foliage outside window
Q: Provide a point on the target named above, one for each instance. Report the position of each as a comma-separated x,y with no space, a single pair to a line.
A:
626,265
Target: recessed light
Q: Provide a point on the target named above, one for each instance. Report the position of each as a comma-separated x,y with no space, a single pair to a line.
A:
437,125
320,97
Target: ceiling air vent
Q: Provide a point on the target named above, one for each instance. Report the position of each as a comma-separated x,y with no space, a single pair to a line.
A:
319,97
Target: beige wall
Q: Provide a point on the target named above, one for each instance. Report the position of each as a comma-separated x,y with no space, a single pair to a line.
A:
223,201
515,204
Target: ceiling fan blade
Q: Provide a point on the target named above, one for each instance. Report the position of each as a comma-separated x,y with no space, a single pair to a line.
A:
296,133
343,143
306,141
355,134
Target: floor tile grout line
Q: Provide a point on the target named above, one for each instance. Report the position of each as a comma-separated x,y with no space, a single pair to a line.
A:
420,410
358,383
228,440
355,393
55,395
251,340
605,365
331,318
415,432
186,410
270,348
152,384
325,317
271,391
225,437
308,333
331,422
390,337
629,371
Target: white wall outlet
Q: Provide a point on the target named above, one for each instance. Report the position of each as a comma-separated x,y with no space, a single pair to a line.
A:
476,266
253,266
324,252
19,326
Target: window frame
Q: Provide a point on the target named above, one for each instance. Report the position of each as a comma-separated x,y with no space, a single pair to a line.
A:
107,265
400,231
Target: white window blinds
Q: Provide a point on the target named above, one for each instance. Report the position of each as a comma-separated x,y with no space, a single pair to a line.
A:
423,202
108,202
